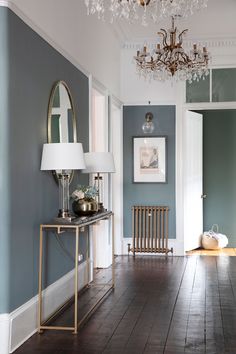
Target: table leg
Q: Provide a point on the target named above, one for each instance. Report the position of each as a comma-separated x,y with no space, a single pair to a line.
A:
40,279
113,251
87,256
76,281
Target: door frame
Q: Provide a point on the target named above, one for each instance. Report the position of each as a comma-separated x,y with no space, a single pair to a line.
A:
116,146
181,108
180,112
98,107
113,194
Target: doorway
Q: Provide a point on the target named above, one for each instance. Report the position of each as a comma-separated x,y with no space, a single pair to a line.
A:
219,173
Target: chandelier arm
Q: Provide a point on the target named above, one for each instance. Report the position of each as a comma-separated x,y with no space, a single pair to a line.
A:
181,36
166,54
185,57
161,61
164,36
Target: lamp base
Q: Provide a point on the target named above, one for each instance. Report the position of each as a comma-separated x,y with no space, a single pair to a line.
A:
101,207
64,215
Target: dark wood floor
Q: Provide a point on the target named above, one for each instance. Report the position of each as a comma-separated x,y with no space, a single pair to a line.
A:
160,305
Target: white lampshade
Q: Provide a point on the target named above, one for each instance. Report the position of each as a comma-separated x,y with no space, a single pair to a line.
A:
62,156
99,162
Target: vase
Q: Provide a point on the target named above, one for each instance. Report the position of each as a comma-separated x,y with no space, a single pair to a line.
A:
84,207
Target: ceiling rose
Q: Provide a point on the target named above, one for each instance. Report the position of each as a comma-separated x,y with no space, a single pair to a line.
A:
142,10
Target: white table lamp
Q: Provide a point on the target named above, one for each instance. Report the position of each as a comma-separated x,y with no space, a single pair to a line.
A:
99,162
63,157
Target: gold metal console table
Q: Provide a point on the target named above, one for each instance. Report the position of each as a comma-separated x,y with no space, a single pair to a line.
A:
74,226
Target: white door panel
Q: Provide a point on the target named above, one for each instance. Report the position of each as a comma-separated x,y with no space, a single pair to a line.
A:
193,169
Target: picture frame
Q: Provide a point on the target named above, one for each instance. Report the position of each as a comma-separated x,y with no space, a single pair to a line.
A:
149,159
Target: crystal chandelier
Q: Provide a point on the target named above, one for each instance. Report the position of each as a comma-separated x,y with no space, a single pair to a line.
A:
134,10
171,61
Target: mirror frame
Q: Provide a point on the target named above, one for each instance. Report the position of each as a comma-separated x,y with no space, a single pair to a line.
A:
49,119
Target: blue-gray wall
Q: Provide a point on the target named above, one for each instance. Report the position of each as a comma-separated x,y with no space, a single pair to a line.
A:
149,193
4,170
219,171
28,68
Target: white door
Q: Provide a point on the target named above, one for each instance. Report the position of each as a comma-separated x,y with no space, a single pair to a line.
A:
192,164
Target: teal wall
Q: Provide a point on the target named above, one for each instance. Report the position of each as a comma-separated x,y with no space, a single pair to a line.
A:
149,193
29,66
4,170
219,171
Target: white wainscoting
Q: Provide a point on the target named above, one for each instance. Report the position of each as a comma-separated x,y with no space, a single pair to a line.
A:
4,333
18,326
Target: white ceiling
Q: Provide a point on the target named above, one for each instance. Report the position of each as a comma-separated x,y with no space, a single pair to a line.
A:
216,21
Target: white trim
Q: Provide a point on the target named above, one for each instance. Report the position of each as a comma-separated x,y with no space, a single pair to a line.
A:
210,83
153,103
225,65
4,333
22,322
224,42
179,186
177,247
116,102
98,86
99,141
209,105
116,133
90,111
5,3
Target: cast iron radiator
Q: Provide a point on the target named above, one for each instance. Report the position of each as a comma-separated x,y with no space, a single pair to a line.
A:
150,229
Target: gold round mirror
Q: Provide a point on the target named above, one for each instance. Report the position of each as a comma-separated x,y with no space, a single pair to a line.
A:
61,117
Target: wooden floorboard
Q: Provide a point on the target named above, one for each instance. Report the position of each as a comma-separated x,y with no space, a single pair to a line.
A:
160,304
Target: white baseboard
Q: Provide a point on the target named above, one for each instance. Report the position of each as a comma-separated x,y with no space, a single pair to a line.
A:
18,326
177,246
4,333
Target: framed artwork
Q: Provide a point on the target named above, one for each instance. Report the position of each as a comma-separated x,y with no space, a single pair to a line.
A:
149,159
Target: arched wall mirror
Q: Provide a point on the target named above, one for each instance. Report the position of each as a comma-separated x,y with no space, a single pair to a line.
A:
61,117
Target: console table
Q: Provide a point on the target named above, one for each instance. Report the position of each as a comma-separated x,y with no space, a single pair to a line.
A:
74,226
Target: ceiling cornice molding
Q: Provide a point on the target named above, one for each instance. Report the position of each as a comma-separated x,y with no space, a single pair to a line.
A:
5,3
227,42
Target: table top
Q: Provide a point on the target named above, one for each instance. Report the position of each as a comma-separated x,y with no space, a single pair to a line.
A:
79,221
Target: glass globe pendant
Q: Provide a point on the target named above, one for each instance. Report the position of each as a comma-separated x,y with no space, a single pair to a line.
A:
148,126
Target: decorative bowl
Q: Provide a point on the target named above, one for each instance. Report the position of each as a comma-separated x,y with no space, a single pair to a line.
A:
84,207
